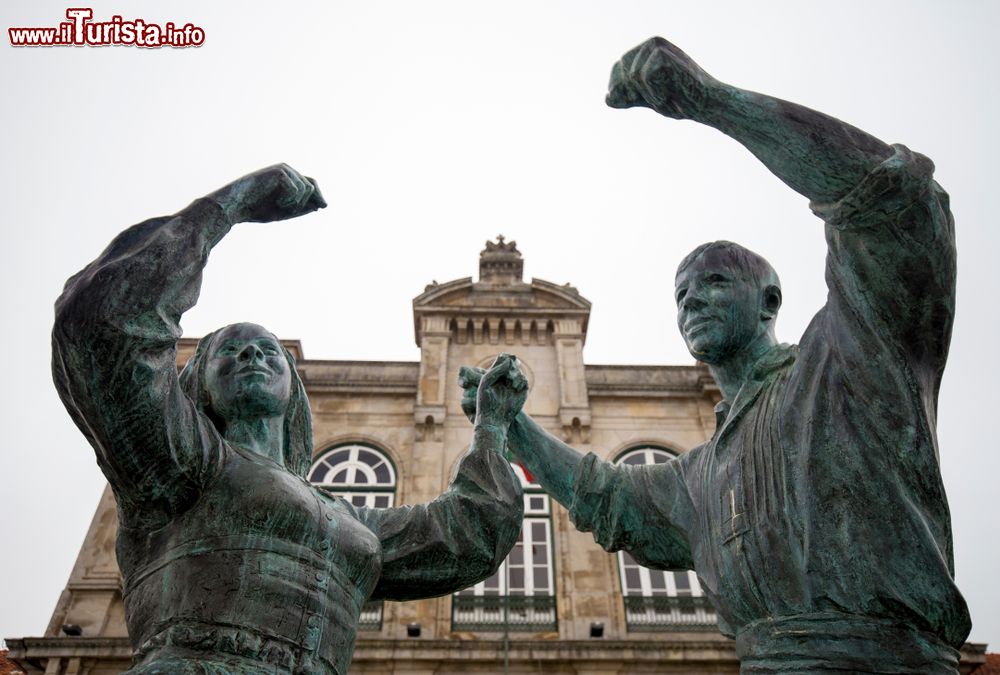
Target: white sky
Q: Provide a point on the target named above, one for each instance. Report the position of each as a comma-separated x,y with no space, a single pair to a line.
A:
432,126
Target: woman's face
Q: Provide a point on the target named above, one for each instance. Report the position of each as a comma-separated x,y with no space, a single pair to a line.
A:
246,374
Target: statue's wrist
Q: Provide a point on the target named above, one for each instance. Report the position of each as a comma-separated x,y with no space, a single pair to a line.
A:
491,423
716,104
492,426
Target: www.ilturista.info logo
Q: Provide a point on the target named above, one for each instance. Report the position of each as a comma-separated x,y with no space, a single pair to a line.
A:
81,31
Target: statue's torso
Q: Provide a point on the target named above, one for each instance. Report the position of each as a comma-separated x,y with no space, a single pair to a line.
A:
803,494
263,568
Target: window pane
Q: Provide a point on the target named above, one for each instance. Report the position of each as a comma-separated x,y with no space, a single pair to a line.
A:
682,582
539,554
632,582
382,501
338,457
657,579
517,554
340,477
382,474
634,459
516,578
541,579
538,531
358,500
369,458
319,473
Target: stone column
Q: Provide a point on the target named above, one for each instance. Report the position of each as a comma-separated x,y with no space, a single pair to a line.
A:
429,412
425,475
574,405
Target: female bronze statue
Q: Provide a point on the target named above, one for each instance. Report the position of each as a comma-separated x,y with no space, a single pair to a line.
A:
232,562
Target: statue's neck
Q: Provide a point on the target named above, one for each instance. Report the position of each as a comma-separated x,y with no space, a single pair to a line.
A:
731,373
263,436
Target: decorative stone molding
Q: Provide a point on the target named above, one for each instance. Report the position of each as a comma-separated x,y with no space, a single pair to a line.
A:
575,423
429,422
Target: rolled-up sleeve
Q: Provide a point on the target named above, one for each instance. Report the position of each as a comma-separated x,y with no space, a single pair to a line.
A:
114,362
891,263
645,510
456,540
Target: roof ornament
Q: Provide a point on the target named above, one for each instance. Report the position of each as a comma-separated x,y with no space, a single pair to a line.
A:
500,263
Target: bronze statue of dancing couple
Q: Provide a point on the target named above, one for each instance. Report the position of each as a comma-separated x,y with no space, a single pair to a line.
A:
815,516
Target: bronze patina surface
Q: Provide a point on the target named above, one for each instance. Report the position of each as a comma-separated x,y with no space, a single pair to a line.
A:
233,563
815,516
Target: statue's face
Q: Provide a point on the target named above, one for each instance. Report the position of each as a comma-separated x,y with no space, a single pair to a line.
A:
246,374
718,309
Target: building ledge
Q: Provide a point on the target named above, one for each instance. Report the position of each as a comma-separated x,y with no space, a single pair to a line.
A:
717,651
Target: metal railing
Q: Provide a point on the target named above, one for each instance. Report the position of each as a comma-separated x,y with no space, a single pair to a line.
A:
371,616
667,613
487,613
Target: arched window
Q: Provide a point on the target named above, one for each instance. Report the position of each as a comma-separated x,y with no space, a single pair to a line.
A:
654,599
364,476
359,473
521,594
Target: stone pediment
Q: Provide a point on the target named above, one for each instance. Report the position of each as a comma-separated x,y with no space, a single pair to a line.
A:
464,294
500,307
467,309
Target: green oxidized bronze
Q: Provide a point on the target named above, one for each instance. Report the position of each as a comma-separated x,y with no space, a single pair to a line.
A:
815,517
232,562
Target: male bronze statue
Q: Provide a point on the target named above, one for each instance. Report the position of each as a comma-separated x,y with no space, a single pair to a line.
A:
815,517
232,562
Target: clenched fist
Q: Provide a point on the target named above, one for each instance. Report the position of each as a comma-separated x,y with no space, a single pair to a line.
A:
278,192
658,75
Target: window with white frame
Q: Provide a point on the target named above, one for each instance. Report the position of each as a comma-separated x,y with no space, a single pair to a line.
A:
364,476
359,473
657,599
521,594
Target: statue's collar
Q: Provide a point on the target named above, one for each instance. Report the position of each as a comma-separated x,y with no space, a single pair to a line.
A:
777,357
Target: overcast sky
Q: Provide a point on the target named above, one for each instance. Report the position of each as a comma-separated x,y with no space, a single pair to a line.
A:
432,126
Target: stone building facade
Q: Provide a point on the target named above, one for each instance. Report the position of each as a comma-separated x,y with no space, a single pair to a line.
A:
389,433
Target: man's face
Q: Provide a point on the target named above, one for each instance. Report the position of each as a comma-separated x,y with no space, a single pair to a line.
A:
246,374
718,309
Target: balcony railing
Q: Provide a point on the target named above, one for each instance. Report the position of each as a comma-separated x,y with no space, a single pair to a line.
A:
667,613
531,613
371,616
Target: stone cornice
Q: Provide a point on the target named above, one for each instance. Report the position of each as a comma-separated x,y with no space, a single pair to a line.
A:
32,654
648,380
361,377
677,648
680,650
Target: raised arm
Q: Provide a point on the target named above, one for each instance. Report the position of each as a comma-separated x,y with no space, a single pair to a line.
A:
816,155
461,537
114,342
890,234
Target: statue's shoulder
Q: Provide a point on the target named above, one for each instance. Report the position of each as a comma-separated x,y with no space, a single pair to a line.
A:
692,457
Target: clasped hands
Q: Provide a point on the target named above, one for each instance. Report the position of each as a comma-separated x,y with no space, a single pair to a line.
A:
493,396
